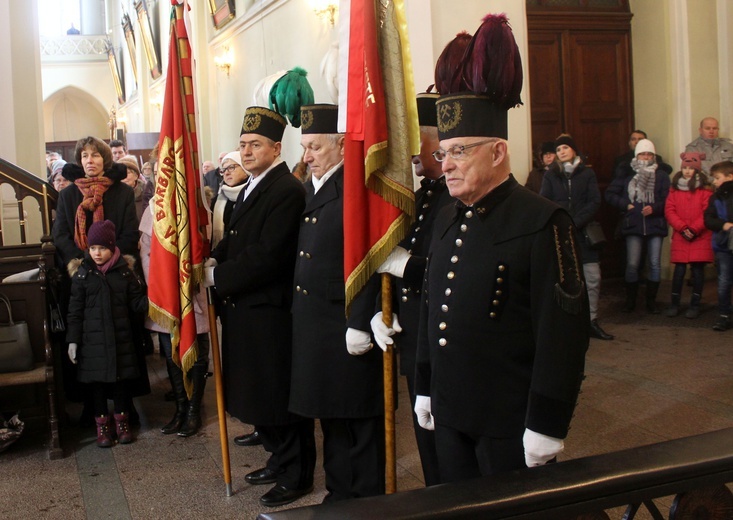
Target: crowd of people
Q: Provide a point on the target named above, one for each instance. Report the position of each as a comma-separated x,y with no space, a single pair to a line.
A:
650,200
494,357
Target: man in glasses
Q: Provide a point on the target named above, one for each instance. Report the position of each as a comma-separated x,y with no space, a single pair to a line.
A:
504,322
407,263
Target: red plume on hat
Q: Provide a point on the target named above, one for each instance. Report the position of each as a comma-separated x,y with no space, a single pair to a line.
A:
447,68
492,65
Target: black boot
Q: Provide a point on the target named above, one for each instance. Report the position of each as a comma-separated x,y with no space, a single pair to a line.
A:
674,309
193,419
176,375
632,288
694,310
597,332
652,288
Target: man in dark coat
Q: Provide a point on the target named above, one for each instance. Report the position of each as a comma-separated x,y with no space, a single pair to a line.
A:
504,331
337,376
407,263
252,270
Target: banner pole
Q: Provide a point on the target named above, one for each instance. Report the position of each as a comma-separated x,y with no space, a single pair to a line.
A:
219,384
389,397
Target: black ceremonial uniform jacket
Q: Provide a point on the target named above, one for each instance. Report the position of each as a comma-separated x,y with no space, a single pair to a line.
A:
254,278
327,381
504,326
429,199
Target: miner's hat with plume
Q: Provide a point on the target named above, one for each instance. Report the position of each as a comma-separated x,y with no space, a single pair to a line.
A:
486,84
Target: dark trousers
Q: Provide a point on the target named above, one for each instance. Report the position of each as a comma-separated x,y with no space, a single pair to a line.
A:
353,457
462,456
697,269
120,395
425,442
293,449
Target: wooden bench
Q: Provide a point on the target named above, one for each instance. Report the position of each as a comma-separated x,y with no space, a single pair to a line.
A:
36,394
28,301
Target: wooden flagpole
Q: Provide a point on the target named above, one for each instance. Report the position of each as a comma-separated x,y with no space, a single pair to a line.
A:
389,397
219,383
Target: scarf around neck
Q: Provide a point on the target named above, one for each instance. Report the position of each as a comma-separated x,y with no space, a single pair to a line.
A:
109,263
226,194
93,190
641,185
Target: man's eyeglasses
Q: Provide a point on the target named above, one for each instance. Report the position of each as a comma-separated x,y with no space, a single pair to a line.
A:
456,151
229,168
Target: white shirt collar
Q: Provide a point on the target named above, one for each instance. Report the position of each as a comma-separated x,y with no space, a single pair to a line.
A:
256,180
318,183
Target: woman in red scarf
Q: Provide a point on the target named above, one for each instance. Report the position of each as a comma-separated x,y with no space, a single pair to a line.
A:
96,193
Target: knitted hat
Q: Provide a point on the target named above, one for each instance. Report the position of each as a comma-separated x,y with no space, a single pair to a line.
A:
644,145
57,166
426,114
265,122
566,140
102,233
233,156
319,119
131,164
692,160
547,147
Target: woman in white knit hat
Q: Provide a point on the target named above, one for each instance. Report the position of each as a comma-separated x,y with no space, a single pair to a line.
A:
641,198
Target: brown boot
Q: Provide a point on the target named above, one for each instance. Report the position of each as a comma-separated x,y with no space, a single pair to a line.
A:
104,433
124,435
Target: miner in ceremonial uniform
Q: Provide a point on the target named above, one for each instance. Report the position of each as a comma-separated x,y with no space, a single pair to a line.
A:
336,375
252,270
407,263
504,323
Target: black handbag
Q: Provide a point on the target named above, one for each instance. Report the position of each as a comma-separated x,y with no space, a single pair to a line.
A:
15,344
594,235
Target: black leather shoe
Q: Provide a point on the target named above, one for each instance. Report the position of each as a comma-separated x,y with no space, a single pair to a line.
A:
280,495
261,476
250,439
597,332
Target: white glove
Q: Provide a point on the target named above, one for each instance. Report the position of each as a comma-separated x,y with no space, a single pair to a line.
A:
358,342
211,262
72,352
382,333
539,448
396,262
422,411
209,276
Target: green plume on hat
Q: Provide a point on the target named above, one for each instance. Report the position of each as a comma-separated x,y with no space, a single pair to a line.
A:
289,93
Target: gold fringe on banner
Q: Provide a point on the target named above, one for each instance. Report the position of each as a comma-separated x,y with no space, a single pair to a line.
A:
375,257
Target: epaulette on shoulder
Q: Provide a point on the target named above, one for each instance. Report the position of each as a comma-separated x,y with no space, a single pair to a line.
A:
570,290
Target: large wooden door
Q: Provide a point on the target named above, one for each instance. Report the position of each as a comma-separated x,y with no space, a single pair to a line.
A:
580,83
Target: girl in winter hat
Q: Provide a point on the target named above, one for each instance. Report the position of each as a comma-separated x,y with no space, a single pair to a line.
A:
691,240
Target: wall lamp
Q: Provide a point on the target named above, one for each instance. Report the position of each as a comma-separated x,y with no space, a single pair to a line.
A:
326,10
224,62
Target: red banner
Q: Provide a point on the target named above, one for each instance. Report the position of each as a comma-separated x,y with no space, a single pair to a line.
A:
374,197
179,245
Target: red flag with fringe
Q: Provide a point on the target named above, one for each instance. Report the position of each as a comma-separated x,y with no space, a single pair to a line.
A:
379,143
178,245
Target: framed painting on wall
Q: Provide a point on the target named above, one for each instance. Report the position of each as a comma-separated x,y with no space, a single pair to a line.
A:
151,51
112,61
130,39
222,11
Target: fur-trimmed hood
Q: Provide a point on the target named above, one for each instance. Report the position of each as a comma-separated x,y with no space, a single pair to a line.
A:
74,265
116,172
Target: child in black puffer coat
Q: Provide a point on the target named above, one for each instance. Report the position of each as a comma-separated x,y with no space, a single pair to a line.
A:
104,288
